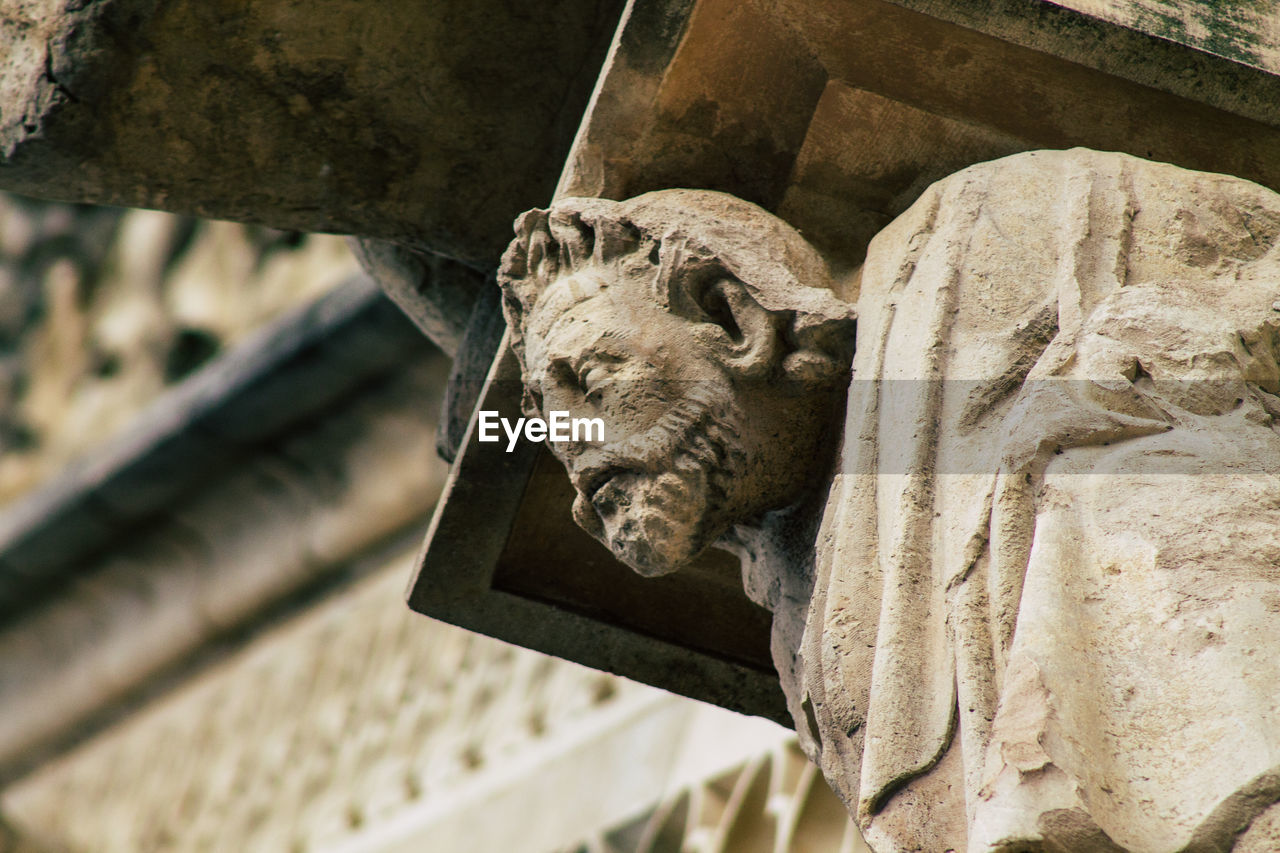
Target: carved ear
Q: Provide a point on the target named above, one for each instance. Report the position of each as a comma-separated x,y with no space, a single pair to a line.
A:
753,331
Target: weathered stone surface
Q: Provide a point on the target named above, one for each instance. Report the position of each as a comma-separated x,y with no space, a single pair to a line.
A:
1222,54
1244,32
1039,608
289,373
437,293
1062,479
102,310
649,312
361,726
836,115
431,126
494,565
476,350
276,525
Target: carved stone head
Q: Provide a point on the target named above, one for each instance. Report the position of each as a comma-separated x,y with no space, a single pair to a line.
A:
702,330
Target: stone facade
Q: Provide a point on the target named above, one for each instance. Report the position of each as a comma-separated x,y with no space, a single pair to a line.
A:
928,635
1015,595
242,673
103,309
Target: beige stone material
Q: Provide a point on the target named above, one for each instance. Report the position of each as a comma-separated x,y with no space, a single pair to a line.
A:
722,296
1029,605
428,125
331,729
96,305
276,524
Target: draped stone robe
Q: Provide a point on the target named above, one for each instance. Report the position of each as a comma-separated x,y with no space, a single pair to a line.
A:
1046,607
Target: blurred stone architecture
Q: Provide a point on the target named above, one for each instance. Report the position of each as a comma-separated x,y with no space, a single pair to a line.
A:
218,441
241,673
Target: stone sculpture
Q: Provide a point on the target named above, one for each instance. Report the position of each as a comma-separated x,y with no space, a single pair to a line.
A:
1027,597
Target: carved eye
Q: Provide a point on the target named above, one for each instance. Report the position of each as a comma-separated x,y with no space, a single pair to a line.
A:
583,380
595,373
591,378
714,303
563,375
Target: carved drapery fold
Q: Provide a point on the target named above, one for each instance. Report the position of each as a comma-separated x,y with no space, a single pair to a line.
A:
1042,572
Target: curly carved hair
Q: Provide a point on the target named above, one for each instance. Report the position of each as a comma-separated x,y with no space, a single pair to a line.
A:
675,243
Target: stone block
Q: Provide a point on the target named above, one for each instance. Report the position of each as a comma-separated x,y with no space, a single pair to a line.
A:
432,126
